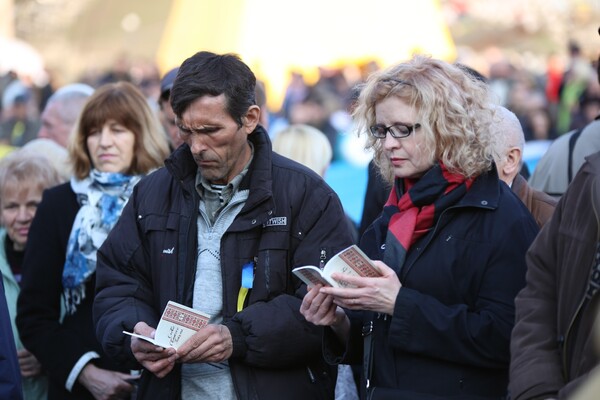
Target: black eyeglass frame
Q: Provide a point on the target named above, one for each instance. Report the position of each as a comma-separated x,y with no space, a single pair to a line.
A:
381,131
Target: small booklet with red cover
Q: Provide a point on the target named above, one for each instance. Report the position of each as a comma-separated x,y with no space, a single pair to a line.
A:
177,324
350,261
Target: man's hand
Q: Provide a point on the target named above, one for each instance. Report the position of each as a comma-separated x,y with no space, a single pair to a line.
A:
319,308
156,359
104,384
212,343
29,365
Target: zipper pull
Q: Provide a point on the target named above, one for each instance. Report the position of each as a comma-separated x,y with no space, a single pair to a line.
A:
322,258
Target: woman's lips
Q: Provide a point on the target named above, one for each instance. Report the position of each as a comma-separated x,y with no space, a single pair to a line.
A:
397,161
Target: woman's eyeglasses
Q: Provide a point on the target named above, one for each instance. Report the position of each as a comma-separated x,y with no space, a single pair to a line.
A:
396,130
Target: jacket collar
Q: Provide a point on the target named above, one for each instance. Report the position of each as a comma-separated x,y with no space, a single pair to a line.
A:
520,187
181,164
485,192
259,178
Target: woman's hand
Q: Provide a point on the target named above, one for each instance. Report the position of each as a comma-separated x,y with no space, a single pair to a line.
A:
371,294
104,384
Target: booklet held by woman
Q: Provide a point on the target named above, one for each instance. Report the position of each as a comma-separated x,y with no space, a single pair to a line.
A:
350,261
177,324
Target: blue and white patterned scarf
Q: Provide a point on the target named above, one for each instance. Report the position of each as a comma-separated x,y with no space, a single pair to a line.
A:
102,196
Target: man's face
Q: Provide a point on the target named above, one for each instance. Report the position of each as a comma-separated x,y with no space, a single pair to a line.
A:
219,146
167,118
53,126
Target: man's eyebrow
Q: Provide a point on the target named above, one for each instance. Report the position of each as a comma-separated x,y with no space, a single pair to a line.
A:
200,128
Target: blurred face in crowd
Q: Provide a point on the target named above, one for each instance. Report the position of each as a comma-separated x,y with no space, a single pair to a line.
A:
405,154
53,126
219,145
111,147
19,204
167,117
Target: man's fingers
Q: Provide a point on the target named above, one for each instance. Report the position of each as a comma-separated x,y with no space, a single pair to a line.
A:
155,355
211,343
160,367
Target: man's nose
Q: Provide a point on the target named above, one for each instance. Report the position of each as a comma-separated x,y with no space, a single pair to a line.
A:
198,143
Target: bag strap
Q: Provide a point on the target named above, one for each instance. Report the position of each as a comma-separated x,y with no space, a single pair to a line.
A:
367,333
572,141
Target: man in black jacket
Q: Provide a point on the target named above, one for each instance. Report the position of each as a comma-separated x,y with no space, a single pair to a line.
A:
220,229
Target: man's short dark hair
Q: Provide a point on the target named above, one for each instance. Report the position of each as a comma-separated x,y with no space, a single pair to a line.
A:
207,73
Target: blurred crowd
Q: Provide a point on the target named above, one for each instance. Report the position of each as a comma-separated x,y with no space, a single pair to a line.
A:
564,97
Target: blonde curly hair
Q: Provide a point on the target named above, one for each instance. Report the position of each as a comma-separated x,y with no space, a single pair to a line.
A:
454,110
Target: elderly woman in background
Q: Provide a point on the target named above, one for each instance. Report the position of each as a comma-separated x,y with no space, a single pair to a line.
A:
450,244
117,140
23,178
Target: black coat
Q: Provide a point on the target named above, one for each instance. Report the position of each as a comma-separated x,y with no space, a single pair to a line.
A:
58,346
450,331
291,218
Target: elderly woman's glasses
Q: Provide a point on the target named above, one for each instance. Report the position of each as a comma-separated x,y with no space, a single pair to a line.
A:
396,130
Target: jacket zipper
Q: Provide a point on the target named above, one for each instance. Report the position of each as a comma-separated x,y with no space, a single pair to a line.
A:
311,375
322,258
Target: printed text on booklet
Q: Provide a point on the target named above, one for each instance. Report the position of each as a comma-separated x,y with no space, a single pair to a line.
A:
177,324
350,261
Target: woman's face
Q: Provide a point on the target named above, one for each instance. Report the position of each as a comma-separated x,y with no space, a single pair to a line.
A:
19,204
407,155
111,147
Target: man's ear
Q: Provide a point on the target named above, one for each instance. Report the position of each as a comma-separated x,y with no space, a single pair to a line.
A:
513,162
251,119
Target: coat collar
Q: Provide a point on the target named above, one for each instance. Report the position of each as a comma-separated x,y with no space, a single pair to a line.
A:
521,188
485,192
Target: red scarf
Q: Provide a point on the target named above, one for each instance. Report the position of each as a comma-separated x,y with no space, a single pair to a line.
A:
418,209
